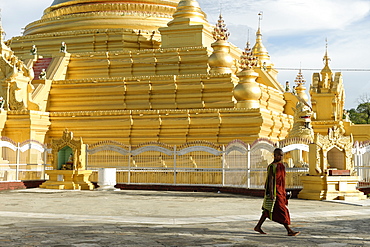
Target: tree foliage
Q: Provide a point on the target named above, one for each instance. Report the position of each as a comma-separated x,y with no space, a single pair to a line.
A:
361,115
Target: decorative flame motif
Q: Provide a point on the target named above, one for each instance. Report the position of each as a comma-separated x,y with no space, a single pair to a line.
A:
247,59
220,32
299,80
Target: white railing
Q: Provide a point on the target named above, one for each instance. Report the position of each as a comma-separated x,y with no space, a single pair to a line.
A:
23,161
199,163
361,158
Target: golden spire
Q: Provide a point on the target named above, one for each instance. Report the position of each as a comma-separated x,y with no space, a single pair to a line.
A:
220,31
326,59
300,89
259,49
247,92
248,60
299,80
220,60
188,11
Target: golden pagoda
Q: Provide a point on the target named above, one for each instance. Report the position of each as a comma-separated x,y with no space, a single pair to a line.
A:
137,71
147,70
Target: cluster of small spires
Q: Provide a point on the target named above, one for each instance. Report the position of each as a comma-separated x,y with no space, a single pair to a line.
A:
299,80
247,59
220,32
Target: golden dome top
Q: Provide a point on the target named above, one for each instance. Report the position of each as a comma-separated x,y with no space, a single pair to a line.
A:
72,15
192,3
188,12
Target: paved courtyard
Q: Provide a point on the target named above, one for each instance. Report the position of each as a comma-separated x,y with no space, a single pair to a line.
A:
41,217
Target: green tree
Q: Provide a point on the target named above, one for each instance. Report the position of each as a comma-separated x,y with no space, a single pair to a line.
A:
356,117
361,115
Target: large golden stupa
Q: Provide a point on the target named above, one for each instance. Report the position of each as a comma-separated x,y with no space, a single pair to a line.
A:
151,70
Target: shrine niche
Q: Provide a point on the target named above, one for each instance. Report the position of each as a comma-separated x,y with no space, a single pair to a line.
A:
331,153
69,163
331,174
68,153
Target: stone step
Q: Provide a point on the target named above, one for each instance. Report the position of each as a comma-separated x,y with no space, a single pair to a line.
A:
41,63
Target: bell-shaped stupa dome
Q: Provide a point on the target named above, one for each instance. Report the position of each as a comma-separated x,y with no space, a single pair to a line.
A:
72,15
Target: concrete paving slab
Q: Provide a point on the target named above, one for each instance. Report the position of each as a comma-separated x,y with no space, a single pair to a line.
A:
40,217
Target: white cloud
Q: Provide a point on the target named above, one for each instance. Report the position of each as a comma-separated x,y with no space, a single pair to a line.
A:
286,16
16,14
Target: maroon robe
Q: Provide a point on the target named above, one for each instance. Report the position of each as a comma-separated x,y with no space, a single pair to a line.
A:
280,213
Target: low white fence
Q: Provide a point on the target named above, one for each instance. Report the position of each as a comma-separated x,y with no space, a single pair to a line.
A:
23,161
197,163
361,158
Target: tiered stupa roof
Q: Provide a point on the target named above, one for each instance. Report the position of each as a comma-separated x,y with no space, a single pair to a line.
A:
99,14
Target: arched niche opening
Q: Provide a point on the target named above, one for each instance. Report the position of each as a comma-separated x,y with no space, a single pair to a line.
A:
64,156
336,159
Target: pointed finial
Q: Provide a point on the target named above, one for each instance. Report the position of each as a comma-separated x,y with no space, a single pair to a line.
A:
326,70
260,16
248,60
259,49
326,58
220,32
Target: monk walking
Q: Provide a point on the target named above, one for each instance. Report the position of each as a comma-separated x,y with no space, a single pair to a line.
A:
275,202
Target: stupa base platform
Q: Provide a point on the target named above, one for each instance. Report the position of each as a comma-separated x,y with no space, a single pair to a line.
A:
68,180
330,188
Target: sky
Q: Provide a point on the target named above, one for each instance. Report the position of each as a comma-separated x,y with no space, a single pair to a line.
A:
295,33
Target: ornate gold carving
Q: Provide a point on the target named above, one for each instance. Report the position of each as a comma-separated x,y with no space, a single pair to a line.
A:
77,147
144,112
17,87
14,104
123,9
336,139
247,60
302,122
220,31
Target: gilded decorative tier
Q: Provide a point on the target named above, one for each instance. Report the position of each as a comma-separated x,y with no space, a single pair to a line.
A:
103,14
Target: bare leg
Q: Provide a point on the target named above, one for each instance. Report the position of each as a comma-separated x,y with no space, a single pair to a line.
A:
290,231
258,228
